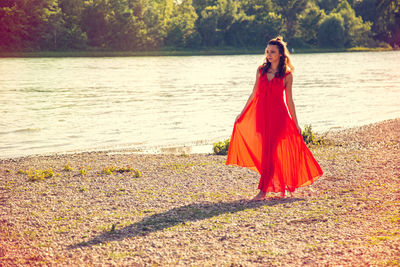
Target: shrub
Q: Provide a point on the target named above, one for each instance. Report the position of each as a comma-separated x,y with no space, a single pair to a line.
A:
83,189
82,171
221,148
68,167
37,175
108,170
113,169
310,138
308,135
137,173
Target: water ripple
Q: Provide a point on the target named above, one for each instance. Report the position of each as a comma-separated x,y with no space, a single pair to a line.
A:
70,104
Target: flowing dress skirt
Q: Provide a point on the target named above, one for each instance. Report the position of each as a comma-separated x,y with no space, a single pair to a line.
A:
265,139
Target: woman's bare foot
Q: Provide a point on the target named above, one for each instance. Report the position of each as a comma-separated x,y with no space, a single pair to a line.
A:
260,196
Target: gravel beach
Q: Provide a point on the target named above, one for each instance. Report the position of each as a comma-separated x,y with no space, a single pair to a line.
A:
127,209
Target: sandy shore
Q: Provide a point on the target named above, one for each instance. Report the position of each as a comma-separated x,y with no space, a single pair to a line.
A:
92,209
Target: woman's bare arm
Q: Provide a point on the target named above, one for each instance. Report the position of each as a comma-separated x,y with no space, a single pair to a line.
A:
289,99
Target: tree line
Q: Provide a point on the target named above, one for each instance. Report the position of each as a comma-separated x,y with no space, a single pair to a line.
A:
142,25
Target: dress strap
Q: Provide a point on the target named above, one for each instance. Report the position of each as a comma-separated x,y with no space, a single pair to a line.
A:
287,73
260,69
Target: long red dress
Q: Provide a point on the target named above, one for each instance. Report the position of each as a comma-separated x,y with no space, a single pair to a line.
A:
265,139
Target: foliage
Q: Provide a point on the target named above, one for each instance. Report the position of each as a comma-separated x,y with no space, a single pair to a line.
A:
309,22
356,32
68,167
384,16
308,135
37,175
83,189
145,25
310,138
112,170
221,148
82,171
181,26
328,5
331,31
290,10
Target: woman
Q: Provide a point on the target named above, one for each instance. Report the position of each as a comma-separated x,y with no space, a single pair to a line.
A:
266,136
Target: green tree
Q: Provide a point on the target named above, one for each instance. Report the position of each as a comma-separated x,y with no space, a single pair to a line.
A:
200,5
355,30
328,5
151,24
24,24
331,31
387,24
261,31
71,10
309,22
14,28
94,22
167,9
207,27
259,24
72,36
215,23
54,29
123,27
181,26
290,10
257,8
366,9
154,18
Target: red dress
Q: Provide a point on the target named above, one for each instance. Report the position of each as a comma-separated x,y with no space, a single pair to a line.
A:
265,139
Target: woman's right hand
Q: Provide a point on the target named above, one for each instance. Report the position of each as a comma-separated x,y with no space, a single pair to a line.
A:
237,117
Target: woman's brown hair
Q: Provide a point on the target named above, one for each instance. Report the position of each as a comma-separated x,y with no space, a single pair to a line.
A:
284,60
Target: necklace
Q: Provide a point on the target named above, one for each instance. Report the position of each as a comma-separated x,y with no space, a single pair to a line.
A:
272,71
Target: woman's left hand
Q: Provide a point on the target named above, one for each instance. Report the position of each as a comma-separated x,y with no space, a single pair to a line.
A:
298,129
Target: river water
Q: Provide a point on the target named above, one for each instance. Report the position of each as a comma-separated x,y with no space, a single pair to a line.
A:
57,105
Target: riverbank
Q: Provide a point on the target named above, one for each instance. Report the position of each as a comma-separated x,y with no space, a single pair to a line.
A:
182,52
127,209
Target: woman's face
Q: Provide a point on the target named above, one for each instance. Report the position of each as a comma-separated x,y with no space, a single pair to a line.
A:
272,53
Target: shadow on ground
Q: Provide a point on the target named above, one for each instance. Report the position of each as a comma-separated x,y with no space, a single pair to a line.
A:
183,214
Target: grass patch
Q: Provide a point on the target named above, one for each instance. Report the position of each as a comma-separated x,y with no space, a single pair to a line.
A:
68,168
62,230
38,175
116,255
9,185
82,171
385,236
369,49
31,234
112,170
395,219
392,263
83,189
108,228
